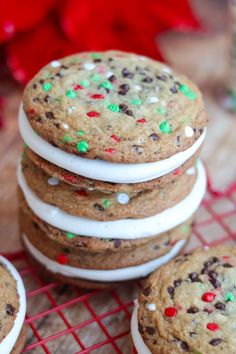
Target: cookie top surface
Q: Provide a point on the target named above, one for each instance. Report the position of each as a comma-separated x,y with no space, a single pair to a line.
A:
189,305
9,301
114,106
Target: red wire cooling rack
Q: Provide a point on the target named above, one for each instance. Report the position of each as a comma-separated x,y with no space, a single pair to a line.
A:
66,320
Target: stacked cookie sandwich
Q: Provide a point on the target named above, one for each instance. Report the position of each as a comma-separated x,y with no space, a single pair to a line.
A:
109,179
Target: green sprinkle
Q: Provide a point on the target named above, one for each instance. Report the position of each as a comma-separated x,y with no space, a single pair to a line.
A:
84,83
96,77
185,229
82,146
80,132
229,297
71,94
70,235
22,156
161,110
106,203
25,145
47,86
136,101
96,55
187,92
165,127
67,138
46,75
107,85
113,107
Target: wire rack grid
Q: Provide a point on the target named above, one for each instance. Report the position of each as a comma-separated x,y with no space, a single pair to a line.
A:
64,319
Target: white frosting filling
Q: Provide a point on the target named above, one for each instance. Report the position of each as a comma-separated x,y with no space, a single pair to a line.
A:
118,229
120,274
9,341
138,341
99,169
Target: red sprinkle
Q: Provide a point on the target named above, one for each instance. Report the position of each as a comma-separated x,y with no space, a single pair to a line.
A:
115,138
226,258
32,112
176,172
62,258
213,326
81,193
208,297
97,96
93,114
110,151
141,120
170,312
69,178
78,87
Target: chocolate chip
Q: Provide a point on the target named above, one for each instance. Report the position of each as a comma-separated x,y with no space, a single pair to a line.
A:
194,277
49,115
184,346
154,137
46,99
212,274
177,282
215,341
59,74
99,207
204,270
117,243
150,330
36,99
112,78
64,67
123,89
162,77
34,86
148,79
192,309
227,265
216,284
171,291
125,109
147,291
220,306
10,310
208,311
174,89
41,81
127,73
211,261
97,60
138,149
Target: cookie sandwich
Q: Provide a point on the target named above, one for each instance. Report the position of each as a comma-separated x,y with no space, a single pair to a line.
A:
110,177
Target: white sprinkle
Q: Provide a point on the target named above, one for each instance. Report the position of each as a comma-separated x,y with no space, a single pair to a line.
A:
71,109
109,73
55,63
191,171
53,181
122,198
167,70
151,307
206,248
188,131
89,66
137,88
163,103
157,89
152,99
65,125
91,188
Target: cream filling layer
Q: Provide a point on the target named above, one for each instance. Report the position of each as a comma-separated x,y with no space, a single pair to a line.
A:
118,229
138,341
120,274
9,341
100,169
